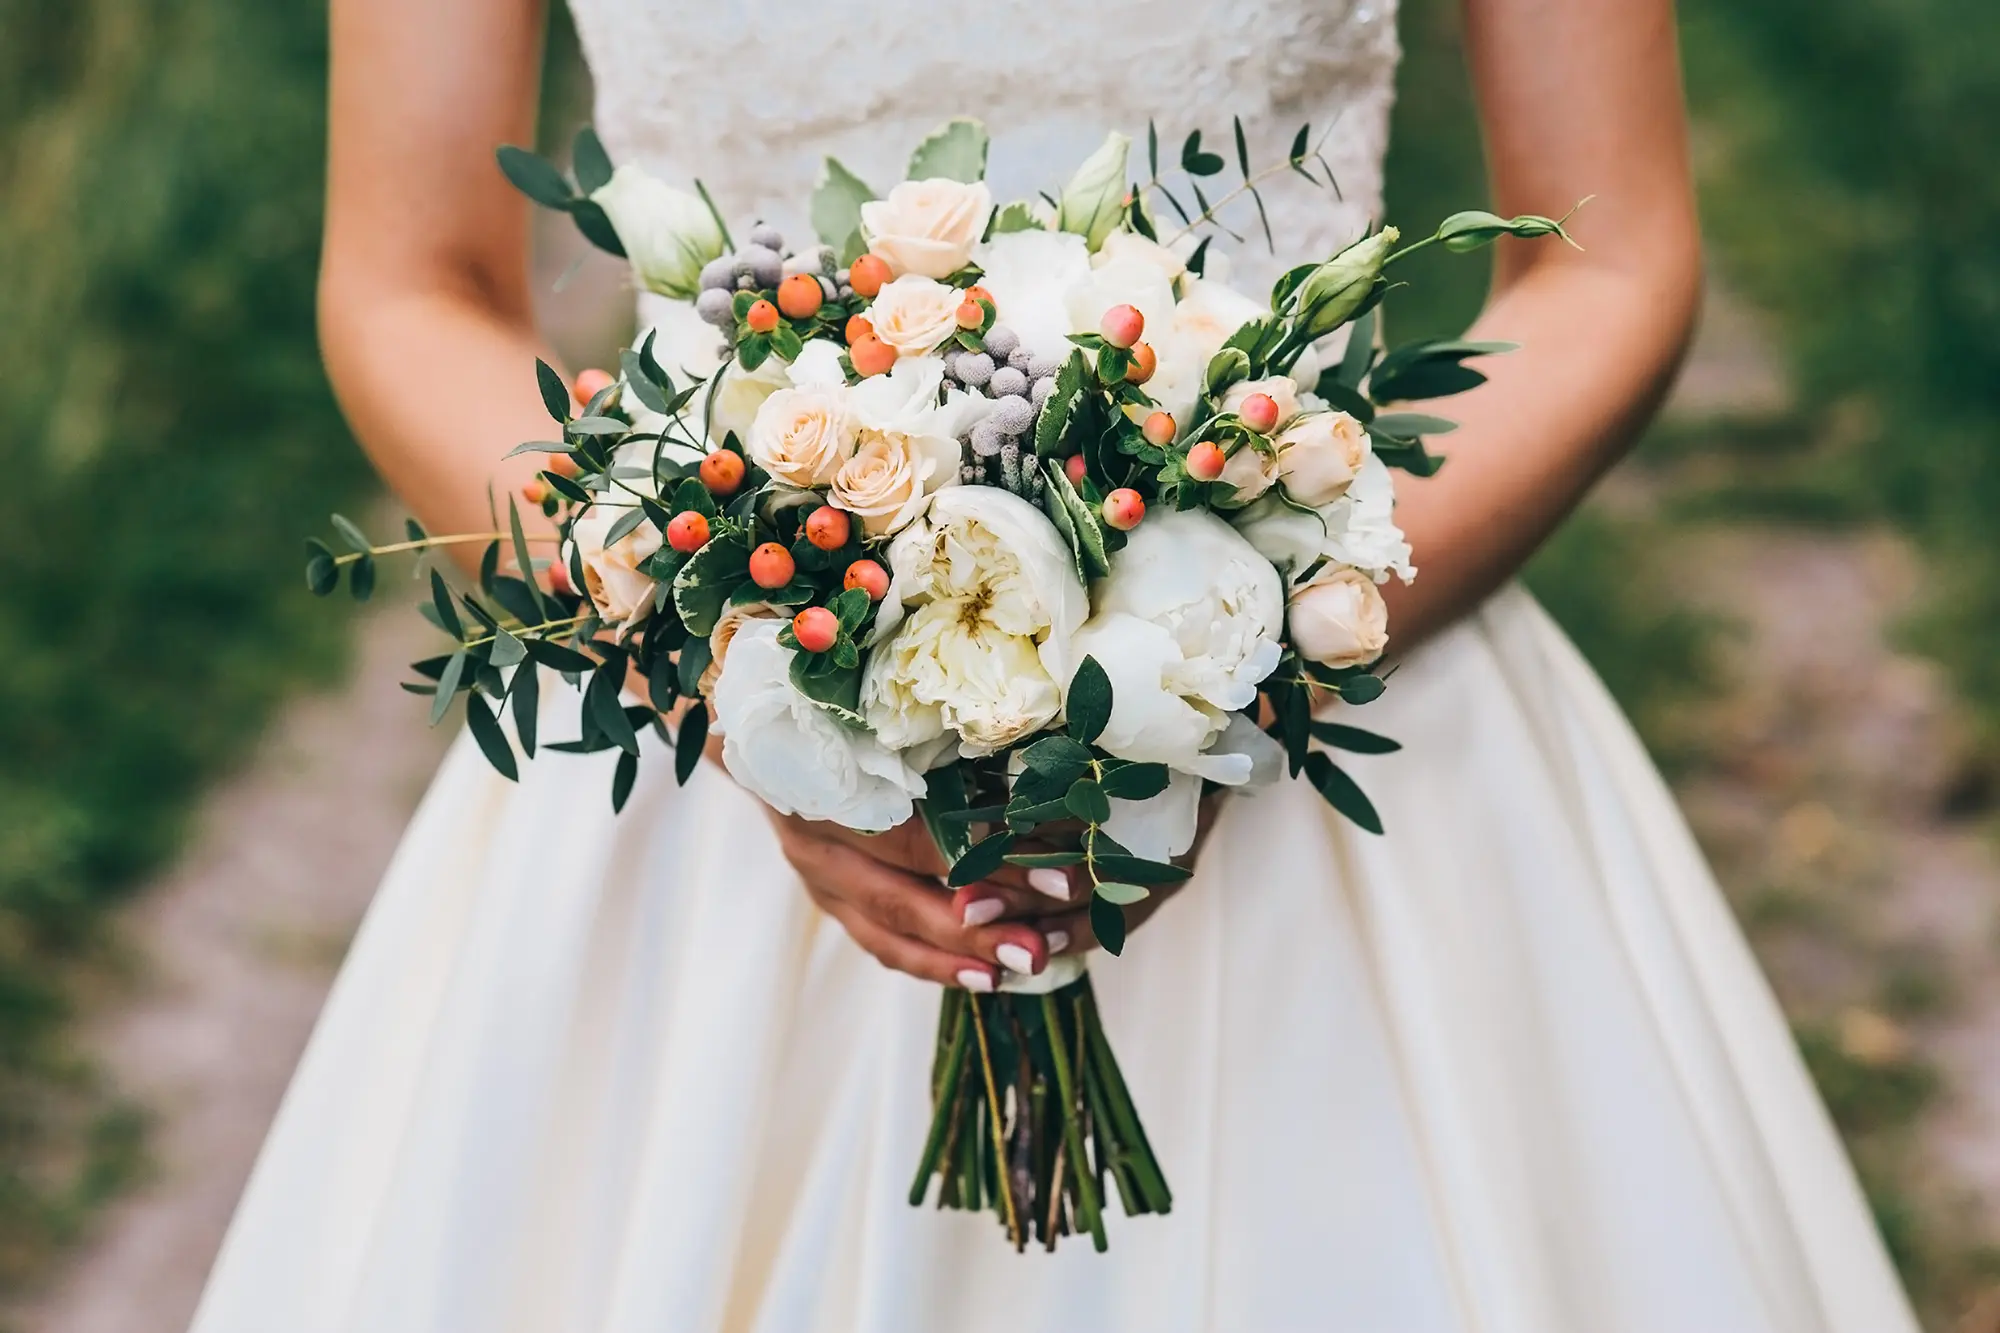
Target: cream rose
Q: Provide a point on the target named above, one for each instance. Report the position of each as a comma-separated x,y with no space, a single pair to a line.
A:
928,227
1283,389
803,437
1319,456
906,445
727,625
1357,529
914,314
1339,619
611,576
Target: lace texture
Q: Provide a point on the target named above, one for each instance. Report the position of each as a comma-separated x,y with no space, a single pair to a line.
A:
704,91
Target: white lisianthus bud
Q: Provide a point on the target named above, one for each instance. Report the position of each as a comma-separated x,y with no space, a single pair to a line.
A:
1319,456
1332,292
1339,619
1094,199
668,234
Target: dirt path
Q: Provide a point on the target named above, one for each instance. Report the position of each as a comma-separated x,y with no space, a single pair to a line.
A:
240,942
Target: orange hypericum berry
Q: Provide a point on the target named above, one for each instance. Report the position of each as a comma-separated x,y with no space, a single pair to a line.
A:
1122,325
1259,412
1144,362
1159,429
870,577
977,293
816,628
970,314
867,275
858,328
562,464
799,296
1074,467
828,528
722,472
559,578
534,490
771,566
687,531
763,317
1205,461
589,383
871,356
1123,509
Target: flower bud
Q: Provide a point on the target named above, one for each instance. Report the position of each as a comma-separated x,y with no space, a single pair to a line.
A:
1094,198
668,234
1336,289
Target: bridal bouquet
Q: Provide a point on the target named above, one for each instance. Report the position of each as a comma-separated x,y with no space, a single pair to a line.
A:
1012,515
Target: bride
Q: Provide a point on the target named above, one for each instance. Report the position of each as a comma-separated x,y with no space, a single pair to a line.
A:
1509,1068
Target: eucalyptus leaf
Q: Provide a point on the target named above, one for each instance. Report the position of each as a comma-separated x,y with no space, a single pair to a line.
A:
607,711
1342,792
447,688
1112,891
486,730
447,613
981,860
507,650
361,578
1138,869
1088,704
689,742
555,393
534,176
351,533
622,779
1087,801
1353,738
591,163
1136,782
1107,922
525,696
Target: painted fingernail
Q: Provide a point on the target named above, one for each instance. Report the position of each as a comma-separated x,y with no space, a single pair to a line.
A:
1050,881
982,910
1058,941
1015,959
973,979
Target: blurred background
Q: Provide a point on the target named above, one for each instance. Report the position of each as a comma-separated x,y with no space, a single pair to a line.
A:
1793,586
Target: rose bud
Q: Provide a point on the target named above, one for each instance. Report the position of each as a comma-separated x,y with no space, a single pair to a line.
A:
828,528
1159,429
1259,412
871,356
816,628
1123,509
589,383
1144,362
867,276
870,577
799,296
722,472
771,566
1339,620
1122,325
1205,461
763,317
687,531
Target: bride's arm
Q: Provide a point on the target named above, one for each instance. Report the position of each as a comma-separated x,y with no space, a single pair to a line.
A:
1577,97
424,312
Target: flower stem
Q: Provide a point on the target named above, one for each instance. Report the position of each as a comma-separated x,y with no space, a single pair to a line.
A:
994,1112
1088,1215
455,539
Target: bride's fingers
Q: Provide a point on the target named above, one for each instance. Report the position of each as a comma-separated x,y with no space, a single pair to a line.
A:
914,906
993,900
904,954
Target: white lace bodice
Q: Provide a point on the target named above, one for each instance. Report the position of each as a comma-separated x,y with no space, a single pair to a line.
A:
749,95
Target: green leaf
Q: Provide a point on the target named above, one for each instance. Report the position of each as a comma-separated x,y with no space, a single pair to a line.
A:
1062,401
601,698
1138,869
1017,216
1410,425
1057,757
622,778
1136,782
1044,860
447,688
591,162
507,650
689,742
1354,739
526,696
624,524
955,150
649,394
705,582
534,176
485,729
981,860
555,394
1107,922
1087,801
322,575
1225,368
1362,689
447,614
851,608
696,654
1341,792
1089,703
1360,353
596,226
361,578
1112,891
1242,148
558,658
1431,369
523,559
944,810
836,208
1085,528
356,539
1196,162
598,426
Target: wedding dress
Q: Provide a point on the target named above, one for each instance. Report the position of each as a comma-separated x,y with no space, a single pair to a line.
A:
1508,1069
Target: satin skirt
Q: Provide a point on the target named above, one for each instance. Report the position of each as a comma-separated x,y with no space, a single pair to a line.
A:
1508,1069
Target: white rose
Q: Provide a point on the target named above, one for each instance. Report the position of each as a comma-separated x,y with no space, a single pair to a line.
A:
1251,471
915,315
1358,529
1030,274
738,397
611,576
1121,245
976,629
906,444
668,234
794,755
1128,281
818,363
802,437
1320,455
928,227
1208,312
1186,626
1339,619
733,618
1283,390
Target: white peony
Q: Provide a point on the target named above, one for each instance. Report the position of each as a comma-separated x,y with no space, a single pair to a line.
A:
1030,274
611,574
975,632
1339,619
906,444
1122,245
668,234
1319,456
927,227
1129,281
1186,626
803,436
1208,312
914,314
797,757
1162,827
1358,529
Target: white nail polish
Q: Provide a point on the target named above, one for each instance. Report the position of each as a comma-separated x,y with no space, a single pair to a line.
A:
1050,881
982,910
1015,959
1058,941
973,979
